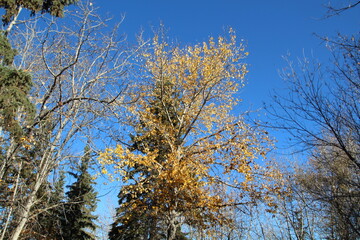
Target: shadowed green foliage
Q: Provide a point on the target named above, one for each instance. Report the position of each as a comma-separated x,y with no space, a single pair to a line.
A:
15,86
54,7
82,200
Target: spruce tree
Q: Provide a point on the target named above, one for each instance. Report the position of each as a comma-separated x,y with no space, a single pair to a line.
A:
143,222
57,216
54,7
15,86
79,223
49,224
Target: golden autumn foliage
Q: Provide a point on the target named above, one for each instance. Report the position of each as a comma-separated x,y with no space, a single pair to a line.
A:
190,156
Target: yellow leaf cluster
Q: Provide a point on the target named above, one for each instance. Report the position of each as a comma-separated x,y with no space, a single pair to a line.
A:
193,153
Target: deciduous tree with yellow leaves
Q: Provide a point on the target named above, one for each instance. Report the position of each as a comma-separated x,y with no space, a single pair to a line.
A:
188,157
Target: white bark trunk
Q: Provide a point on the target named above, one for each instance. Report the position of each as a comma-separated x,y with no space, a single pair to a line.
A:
25,212
44,169
12,204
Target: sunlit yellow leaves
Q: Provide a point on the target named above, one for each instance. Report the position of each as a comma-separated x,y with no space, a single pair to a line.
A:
27,142
191,156
211,72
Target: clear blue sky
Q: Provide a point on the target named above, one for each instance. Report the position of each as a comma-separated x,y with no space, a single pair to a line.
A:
271,30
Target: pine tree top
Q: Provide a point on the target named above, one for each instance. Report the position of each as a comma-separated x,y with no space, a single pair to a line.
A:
81,202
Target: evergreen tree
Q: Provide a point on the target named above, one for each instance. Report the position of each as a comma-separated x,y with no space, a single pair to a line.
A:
79,222
143,222
49,224
15,86
54,7
57,214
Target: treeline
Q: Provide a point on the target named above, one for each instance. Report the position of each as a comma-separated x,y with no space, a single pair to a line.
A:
77,101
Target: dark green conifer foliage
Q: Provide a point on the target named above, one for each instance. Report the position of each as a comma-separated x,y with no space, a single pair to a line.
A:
54,7
49,224
141,224
16,112
15,86
57,216
80,221
144,224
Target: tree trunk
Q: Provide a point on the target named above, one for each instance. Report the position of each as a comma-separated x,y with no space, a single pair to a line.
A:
25,212
171,232
12,204
44,169
172,226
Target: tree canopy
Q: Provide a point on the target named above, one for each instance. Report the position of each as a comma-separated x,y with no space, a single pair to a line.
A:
188,152
54,7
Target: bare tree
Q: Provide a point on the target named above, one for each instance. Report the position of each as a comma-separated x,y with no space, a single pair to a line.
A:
336,10
78,69
322,115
